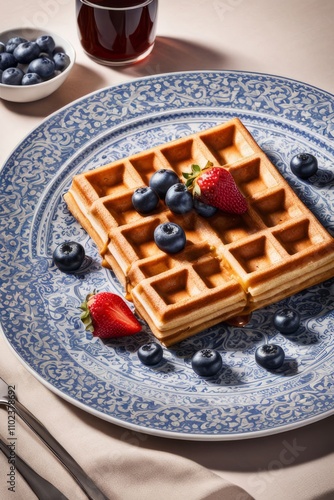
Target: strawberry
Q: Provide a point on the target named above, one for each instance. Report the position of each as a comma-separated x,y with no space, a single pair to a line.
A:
215,186
106,315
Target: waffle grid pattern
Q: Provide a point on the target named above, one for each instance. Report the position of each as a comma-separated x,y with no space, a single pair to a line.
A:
232,264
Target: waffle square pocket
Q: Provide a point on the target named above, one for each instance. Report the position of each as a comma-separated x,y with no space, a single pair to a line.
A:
231,264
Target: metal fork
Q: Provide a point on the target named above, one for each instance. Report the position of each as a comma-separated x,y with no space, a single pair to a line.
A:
40,486
85,482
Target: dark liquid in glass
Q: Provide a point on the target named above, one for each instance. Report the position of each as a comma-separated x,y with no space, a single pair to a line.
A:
117,36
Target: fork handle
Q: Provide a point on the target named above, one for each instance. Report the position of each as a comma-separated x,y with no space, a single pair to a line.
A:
79,475
40,486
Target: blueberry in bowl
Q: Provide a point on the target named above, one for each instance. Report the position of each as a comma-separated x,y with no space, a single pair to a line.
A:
12,76
7,60
43,66
46,43
61,61
31,79
13,42
26,52
20,48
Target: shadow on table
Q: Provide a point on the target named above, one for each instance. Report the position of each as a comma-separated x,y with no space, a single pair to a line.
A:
267,453
172,54
80,82
169,55
261,462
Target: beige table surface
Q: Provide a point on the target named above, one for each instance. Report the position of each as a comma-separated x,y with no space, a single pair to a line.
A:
291,38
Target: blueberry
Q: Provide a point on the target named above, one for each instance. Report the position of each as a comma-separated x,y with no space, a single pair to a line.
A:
46,43
31,79
61,61
304,165
170,237
162,180
270,356
178,199
286,320
26,52
203,209
69,256
2,47
13,43
145,200
7,60
206,362
43,66
150,354
12,76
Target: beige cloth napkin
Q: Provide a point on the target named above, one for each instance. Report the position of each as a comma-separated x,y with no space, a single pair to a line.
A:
117,459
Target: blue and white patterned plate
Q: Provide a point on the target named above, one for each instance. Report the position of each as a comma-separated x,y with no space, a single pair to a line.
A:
39,304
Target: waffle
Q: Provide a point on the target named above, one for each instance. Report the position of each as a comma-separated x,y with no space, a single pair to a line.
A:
232,264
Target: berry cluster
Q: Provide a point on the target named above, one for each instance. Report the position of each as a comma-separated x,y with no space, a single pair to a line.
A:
205,191
24,62
165,185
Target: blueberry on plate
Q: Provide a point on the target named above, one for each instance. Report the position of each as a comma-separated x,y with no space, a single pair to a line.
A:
178,199
270,356
31,79
162,180
43,66
26,52
61,60
13,43
150,354
206,362
145,200
69,256
2,47
7,60
304,165
203,209
46,43
12,76
286,320
170,237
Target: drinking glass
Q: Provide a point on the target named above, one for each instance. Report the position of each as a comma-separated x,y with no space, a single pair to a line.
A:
117,32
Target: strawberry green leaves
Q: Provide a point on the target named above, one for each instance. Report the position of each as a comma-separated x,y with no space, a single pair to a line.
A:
215,186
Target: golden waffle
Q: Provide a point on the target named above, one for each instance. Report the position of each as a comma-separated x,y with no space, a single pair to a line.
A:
232,264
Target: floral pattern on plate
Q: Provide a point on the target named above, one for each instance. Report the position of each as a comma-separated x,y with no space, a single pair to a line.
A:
39,304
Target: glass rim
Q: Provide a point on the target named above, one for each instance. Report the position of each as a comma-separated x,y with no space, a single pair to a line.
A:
96,6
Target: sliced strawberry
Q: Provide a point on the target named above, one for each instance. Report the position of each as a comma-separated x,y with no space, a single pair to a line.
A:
106,315
215,186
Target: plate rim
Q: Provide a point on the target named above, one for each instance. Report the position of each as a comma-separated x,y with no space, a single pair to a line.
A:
158,432
148,77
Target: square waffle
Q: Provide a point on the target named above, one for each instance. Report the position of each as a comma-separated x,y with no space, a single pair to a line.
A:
232,264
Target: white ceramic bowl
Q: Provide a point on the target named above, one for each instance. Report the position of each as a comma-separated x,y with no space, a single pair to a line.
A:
28,93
